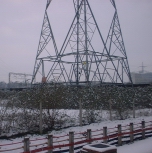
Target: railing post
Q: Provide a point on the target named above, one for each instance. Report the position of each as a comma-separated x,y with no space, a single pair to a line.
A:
119,135
50,143
131,132
71,142
105,134
26,144
89,135
143,129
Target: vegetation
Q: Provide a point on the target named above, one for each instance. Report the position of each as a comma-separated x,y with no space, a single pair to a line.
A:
20,110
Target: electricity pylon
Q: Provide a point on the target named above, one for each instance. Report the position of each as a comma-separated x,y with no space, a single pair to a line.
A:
81,59
47,54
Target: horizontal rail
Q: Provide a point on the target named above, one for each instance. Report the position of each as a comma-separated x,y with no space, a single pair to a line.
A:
86,137
35,145
11,149
11,143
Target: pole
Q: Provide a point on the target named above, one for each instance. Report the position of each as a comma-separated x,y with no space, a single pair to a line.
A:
133,108
89,136
119,135
26,144
110,110
143,129
105,134
41,131
80,113
131,132
71,141
50,143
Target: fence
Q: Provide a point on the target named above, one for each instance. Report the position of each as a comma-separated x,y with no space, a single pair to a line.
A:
73,142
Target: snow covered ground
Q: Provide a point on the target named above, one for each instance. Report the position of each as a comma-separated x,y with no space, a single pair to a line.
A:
142,146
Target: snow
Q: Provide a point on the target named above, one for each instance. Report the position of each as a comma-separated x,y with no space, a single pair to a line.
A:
91,147
143,146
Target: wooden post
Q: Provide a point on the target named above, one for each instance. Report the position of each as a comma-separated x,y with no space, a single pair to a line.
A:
143,131
134,108
89,135
50,143
110,109
26,144
105,134
71,141
119,136
131,132
41,131
80,113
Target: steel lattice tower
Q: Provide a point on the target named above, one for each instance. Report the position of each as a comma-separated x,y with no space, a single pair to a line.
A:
80,60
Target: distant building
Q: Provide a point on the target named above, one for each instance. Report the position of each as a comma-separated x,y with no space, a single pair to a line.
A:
141,78
3,85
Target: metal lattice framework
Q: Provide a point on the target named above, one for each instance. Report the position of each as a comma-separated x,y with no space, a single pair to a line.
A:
80,59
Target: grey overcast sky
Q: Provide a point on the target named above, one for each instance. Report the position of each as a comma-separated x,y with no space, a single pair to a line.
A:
21,22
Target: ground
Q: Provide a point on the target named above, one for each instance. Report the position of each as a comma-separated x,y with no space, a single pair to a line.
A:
142,146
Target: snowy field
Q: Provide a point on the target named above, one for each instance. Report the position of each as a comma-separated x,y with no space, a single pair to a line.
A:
142,146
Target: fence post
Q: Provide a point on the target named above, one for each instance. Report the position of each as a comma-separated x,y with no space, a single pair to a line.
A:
134,108
143,130
80,113
50,143
131,132
89,135
110,109
26,144
41,130
71,142
105,134
119,136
